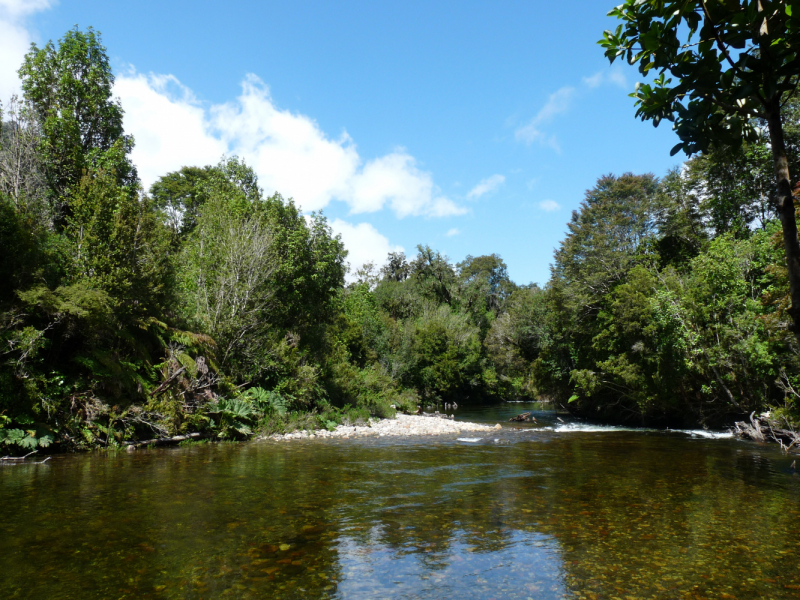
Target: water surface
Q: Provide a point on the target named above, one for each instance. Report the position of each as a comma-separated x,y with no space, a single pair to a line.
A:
539,510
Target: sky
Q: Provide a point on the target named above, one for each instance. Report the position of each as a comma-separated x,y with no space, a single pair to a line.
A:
472,127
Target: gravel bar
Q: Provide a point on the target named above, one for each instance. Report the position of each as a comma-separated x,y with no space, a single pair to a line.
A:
401,426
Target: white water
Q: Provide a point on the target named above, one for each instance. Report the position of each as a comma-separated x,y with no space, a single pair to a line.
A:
712,435
588,428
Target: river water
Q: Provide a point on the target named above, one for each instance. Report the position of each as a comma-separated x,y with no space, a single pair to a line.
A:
539,510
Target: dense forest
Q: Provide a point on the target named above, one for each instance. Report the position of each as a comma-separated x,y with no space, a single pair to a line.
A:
204,305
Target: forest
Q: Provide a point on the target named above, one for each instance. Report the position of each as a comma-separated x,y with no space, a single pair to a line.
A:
204,305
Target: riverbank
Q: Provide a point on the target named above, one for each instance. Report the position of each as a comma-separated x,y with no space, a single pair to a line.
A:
400,426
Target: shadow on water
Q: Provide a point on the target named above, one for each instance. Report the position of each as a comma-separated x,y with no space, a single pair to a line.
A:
538,514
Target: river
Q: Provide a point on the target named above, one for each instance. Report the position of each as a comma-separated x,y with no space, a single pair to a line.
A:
544,510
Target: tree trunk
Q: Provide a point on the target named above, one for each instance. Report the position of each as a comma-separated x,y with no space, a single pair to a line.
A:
791,245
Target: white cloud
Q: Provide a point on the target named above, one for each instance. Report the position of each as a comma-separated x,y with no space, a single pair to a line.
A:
395,180
453,232
487,185
549,205
612,76
364,244
557,103
289,151
15,40
170,127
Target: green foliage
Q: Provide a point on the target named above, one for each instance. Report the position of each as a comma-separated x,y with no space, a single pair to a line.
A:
730,60
433,275
225,266
444,352
180,195
369,389
28,436
68,87
118,244
604,238
516,339
267,401
699,337
735,71
233,417
254,271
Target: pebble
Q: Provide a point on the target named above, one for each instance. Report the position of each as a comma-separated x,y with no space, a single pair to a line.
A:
400,426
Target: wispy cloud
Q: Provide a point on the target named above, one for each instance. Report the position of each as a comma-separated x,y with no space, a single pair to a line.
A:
612,76
549,205
289,151
16,8
453,232
486,185
558,103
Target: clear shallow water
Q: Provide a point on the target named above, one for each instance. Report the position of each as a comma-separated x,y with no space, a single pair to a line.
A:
538,513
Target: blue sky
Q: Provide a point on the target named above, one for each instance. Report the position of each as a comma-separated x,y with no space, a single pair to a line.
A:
474,127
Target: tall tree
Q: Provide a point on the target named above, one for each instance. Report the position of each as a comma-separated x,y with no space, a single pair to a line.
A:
69,90
614,220
734,63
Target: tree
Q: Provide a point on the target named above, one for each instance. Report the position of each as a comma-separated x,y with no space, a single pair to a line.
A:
434,274
180,195
735,64
445,352
227,263
614,219
396,268
253,268
117,243
517,337
486,276
21,170
681,224
68,89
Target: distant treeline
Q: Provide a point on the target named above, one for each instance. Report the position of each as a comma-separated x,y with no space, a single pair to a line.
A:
202,304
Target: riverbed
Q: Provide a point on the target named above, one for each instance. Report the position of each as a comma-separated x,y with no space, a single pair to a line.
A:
533,510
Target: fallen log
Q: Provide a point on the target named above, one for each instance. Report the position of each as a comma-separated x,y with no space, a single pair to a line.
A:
765,429
168,441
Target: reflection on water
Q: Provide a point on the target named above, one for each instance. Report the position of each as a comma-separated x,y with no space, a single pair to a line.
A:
535,514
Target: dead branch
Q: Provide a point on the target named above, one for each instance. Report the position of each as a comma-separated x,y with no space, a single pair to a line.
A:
12,458
168,382
765,429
